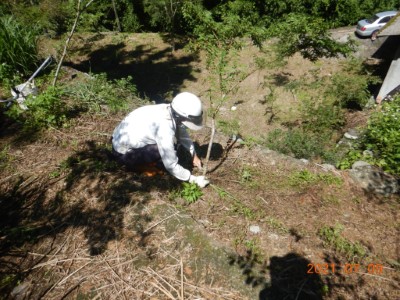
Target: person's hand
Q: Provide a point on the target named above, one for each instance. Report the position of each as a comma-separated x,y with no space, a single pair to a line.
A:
201,181
197,162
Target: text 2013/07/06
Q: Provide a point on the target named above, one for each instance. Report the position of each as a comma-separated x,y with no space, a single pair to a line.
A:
347,268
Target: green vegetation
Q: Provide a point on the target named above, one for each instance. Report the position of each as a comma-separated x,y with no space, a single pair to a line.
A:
308,35
277,225
229,127
322,115
56,106
350,88
332,237
381,139
306,178
5,157
167,16
90,198
382,136
45,110
191,192
237,206
296,142
18,51
99,95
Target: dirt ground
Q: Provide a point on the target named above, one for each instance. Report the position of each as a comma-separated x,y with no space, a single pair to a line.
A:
77,226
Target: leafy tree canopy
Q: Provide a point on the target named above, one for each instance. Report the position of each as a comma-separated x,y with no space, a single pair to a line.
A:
307,35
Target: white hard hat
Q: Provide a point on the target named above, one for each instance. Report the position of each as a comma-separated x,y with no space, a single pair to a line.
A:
189,108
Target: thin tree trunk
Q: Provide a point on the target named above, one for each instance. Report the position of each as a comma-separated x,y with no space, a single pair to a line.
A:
116,16
78,14
210,143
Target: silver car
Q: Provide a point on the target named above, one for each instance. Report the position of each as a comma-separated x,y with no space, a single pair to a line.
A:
371,26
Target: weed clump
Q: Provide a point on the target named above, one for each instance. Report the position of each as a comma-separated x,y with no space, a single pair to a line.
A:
332,237
190,192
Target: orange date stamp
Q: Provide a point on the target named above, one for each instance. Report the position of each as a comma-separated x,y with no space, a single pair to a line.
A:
348,268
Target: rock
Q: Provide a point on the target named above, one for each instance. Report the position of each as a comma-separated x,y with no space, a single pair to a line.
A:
237,139
255,229
352,134
19,291
360,164
373,179
328,167
368,153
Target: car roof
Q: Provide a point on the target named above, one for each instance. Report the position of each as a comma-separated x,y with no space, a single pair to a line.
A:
386,13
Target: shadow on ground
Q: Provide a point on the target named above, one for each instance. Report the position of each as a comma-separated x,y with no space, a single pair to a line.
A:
289,277
89,191
155,72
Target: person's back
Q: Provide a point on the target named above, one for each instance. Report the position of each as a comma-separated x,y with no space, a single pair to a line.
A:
142,127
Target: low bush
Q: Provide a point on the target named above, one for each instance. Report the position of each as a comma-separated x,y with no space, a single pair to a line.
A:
332,237
99,95
350,88
298,143
55,106
382,136
321,115
44,110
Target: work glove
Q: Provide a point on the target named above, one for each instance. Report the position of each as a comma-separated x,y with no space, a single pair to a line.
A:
201,181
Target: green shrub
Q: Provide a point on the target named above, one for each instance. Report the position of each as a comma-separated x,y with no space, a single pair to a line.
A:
332,237
229,127
130,21
306,178
350,87
45,110
18,50
190,192
321,115
349,159
99,95
297,143
48,16
5,157
383,136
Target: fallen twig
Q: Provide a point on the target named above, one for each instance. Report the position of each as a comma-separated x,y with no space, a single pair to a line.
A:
182,288
159,222
65,279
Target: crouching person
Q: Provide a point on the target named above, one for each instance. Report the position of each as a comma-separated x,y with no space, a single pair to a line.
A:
147,136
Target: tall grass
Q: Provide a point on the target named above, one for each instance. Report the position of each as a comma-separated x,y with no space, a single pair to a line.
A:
18,50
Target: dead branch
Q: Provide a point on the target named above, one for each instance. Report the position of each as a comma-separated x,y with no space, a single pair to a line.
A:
159,222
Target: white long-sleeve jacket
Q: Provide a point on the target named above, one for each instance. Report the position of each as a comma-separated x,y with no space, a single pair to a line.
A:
153,124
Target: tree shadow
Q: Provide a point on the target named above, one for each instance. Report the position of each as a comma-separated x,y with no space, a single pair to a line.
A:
94,198
280,79
156,73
